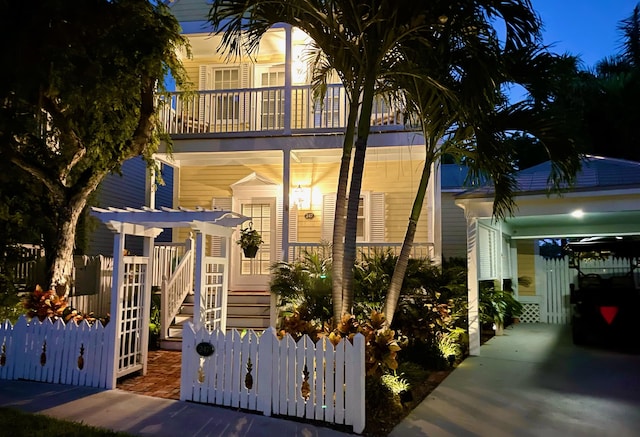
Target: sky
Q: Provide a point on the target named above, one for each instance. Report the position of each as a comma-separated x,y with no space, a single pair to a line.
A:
587,28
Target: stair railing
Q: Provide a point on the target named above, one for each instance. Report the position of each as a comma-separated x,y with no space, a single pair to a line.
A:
175,288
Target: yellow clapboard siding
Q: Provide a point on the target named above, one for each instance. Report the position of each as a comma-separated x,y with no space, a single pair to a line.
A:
526,266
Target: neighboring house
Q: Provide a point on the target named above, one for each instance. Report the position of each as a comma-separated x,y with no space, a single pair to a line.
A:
604,201
130,188
253,140
453,181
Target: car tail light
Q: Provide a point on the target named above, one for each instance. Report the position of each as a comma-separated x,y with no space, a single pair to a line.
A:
609,313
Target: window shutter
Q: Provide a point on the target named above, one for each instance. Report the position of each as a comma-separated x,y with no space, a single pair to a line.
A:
293,224
202,102
279,215
218,244
328,214
487,246
244,107
377,214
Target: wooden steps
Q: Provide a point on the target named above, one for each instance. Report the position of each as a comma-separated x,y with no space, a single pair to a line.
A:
245,310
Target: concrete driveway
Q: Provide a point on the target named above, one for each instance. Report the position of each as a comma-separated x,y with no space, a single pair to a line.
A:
533,382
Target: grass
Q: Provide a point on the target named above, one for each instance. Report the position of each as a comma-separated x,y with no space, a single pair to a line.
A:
16,423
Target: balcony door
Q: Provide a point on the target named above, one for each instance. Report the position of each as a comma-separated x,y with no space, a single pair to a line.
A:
221,105
271,97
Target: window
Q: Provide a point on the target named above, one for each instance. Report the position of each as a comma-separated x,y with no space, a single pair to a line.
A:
371,217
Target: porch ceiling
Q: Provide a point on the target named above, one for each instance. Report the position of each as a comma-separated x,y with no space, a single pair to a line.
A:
566,225
301,156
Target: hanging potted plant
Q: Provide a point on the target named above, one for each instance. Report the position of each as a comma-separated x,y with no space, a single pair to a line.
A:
250,240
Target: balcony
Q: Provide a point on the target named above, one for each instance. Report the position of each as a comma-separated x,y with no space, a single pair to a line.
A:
267,112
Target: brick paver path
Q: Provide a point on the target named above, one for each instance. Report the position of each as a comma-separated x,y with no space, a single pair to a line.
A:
162,379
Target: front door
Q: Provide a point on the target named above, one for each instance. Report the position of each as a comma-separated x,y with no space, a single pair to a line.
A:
252,274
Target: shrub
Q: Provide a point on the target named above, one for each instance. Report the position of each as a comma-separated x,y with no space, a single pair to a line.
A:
48,304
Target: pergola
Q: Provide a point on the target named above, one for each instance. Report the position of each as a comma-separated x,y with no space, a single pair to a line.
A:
131,287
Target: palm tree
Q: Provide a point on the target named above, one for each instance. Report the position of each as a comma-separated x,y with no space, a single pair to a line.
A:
368,43
463,113
356,38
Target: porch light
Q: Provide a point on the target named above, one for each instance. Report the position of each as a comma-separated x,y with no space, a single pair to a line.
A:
578,213
302,197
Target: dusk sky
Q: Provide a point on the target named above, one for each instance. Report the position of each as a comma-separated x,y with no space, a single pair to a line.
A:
587,28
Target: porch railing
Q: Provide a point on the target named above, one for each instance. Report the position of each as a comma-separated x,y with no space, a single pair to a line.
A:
166,258
419,250
174,290
262,110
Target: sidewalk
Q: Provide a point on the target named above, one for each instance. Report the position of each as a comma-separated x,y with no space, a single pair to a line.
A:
533,382
147,416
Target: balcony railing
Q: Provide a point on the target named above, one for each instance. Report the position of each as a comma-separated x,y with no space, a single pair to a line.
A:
261,111
297,251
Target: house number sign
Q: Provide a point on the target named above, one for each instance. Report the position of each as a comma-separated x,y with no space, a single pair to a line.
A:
205,349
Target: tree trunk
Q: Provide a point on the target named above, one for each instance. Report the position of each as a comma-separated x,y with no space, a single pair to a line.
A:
62,266
339,221
364,126
395,286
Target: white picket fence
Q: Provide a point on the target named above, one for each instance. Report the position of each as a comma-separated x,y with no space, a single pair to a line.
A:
75,354
276,377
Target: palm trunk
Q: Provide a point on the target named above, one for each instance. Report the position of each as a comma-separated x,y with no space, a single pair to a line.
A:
340,223
395,286
364,125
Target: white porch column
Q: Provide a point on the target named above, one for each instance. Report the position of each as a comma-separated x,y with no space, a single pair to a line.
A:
286,185
288,80
473,290
113,351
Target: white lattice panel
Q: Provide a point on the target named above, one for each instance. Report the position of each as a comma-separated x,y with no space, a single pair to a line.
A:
530,313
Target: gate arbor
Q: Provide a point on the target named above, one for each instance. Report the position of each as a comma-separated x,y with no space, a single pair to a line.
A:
131,289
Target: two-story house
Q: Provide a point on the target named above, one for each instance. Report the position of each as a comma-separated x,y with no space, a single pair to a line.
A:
253,139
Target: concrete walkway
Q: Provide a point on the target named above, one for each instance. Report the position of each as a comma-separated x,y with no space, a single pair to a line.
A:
533,382
530,382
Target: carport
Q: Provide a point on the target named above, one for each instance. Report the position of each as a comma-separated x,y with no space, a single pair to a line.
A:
604,200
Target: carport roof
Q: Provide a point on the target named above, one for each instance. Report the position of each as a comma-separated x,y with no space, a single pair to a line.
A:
596,172
604,200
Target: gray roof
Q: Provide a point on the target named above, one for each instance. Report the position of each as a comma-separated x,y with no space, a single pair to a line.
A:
596,173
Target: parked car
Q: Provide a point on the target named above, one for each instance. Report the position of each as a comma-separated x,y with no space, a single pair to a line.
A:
605,301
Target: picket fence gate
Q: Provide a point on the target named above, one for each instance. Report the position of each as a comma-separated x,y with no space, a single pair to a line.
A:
55,352
276,377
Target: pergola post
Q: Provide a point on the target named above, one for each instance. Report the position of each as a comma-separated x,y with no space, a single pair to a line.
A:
198,275
116,318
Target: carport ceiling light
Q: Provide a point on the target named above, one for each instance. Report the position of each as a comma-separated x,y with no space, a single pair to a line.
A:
578,213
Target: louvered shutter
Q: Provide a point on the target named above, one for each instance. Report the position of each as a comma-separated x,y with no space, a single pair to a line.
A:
328,214
487,252
218,244
245,107
279,212
204,109
377,214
